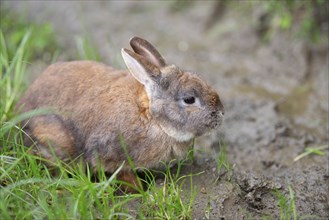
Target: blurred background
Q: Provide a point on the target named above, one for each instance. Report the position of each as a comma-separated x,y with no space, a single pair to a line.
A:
267,59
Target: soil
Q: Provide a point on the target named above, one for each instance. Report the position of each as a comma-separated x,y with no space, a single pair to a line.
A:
275,94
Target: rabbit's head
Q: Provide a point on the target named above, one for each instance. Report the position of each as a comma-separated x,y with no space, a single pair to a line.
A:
180,102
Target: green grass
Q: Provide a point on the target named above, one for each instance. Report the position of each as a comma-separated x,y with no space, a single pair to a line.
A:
304,16
86,50
312,150
169,201
287,205
14,28
222,163
30,190
11,76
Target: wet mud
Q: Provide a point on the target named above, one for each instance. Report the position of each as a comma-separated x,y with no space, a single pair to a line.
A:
275,97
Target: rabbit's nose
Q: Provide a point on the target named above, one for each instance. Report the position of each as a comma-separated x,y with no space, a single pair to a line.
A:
217,114
213,114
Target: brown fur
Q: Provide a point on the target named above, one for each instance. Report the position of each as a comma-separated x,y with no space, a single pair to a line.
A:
96,105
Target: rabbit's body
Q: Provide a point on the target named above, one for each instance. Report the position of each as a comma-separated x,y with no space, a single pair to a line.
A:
96,109
155,109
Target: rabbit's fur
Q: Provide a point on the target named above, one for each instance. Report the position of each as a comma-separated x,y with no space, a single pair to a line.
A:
156,109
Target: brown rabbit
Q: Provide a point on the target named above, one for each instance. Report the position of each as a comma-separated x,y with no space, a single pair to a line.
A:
156,108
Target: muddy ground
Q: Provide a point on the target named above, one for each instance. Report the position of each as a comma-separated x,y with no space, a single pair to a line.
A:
275,95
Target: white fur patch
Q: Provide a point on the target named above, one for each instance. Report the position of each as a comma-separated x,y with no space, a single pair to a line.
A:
178,135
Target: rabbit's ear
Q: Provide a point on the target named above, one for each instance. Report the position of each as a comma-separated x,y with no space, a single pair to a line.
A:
148,51
142,70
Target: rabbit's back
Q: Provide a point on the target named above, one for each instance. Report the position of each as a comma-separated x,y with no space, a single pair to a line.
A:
65,85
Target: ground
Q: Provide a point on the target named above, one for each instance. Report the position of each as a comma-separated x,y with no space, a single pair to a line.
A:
275,94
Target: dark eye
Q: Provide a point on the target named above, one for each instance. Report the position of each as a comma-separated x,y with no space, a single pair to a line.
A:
189,100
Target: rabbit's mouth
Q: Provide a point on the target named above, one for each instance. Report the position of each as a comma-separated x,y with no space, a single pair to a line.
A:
219,121
215,122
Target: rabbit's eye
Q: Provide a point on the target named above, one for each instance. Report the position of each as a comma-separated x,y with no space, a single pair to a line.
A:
189,100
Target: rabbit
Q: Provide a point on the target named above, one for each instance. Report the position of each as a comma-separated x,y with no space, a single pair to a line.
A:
155,108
